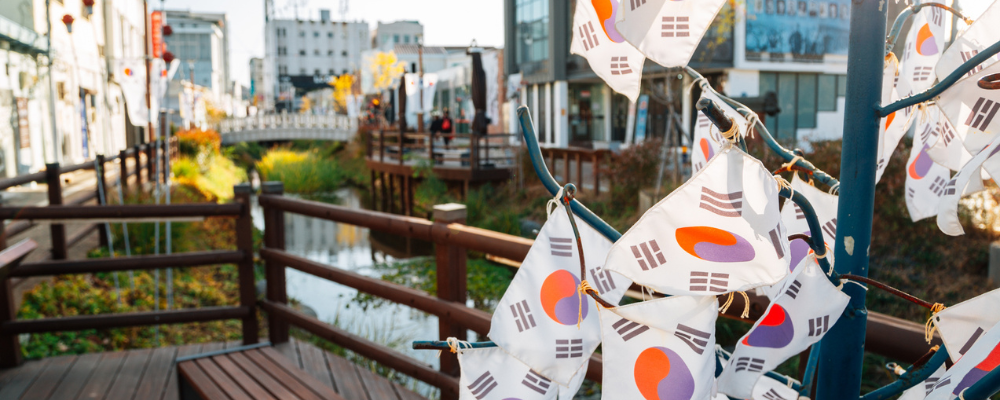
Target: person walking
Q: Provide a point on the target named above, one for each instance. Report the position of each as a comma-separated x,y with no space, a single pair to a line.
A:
447,128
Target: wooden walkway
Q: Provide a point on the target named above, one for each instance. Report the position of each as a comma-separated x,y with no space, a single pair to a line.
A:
150,374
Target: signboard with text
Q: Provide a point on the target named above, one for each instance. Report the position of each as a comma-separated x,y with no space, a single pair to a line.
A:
804,30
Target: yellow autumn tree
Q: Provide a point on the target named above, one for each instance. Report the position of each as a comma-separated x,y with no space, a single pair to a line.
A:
306,105
341,88
385,69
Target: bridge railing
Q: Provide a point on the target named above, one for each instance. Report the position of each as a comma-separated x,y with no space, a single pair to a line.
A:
287,121
462,150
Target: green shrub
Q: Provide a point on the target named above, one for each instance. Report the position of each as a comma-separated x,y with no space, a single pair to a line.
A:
301,172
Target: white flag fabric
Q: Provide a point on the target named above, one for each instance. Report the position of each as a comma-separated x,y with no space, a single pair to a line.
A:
920,391
947,146
719,232
795,320
973,110
413,92
666,31
925,179
595,38
924,45
770,389
947,217
962,324
491,373
825,206
893,126
131,76
981,358
661,349
981,34
708,140
536,320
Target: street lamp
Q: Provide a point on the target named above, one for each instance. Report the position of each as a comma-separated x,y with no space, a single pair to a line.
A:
68,21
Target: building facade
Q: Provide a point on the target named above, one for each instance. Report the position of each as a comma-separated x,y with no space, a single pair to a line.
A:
799,52
301,53
388,35
256,82
200,41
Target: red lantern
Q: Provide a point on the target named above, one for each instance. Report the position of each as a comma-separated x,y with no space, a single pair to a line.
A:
68,20
168,57
167,30
90,6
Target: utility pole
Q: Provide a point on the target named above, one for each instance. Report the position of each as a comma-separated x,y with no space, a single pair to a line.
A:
151,135
56,157
420,84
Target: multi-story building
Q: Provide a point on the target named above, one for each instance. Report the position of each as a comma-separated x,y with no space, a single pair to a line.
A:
304,54
798,52
23,94
388,35
200,41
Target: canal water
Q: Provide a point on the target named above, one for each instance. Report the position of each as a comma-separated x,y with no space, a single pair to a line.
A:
367,253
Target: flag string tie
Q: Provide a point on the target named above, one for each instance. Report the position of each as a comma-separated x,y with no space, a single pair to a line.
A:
835,189
732,133
931,326
456,345
788,165
783,184
729,302
752,121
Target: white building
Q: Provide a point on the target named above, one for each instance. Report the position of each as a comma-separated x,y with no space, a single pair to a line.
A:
201,42
23,95
311,51
395,33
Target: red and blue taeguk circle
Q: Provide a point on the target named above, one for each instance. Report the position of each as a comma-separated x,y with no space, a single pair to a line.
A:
774,331
714,244
560,299
661,374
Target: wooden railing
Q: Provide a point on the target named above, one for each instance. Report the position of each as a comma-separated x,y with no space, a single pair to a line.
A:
465,150
52,177
10,353
579,155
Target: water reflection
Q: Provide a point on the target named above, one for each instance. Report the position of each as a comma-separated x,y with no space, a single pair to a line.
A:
358,250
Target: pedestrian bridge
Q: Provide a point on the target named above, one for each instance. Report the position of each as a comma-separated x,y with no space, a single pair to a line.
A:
280,127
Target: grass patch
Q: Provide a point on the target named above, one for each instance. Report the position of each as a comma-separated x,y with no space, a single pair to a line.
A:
304,172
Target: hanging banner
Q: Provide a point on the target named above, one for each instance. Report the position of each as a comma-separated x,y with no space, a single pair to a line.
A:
156,33
640,118
131,76
23,131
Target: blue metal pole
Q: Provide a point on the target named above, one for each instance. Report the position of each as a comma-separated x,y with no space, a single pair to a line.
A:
842,349
911,378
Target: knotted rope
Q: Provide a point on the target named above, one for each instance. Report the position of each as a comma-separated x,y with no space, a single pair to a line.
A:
930,327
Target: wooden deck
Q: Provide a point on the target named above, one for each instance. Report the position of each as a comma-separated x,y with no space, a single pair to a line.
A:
151,374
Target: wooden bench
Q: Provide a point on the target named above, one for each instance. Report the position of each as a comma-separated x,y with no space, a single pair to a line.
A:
255,372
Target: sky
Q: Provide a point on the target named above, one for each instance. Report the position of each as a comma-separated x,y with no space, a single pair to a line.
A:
446,22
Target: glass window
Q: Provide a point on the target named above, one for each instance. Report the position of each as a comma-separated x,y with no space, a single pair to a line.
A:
532,30
329,35
786,100
807,101
315,34
302,52
406,38
841,85
769,83
315,52
302,33
827,93
395,38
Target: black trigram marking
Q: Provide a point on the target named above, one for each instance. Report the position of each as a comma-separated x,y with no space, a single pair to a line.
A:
724,205
697,167
793,289
588,35
830,228
749,364
949,188
776,237
536,382
946,131
922,73
648,255
636,3
937,16
911,193
929,385
799,214
773,395
938,185
819,326
703,121
569,348
928,133
675,27
561,247
483,385
619,66
942,383
982,114
602,280
522,316
966,56
628,329
972,340
881,164
694,338
709,282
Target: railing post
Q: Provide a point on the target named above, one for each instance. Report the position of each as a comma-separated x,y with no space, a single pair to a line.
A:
430,147
451,279
579,170
57,231
244,242
102,189
10,346
165,163
381,146
597,172
138,166
402,145
123,166
152,173
274,238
